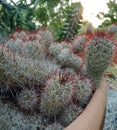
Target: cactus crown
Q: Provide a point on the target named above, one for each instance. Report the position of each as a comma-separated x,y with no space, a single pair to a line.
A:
99,54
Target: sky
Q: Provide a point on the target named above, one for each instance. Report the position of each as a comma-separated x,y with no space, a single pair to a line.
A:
91,9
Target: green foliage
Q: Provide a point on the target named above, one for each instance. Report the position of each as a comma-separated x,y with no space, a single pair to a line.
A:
0,7
30,15
110,17
16,15
54,13
71,24
41,15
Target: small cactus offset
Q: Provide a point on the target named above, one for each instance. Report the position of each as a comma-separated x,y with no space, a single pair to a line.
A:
113,28
64,57
55,49
75,62
45,38
89,28
54,126
99,54
39,39
67,59
79,43
66,44
28,100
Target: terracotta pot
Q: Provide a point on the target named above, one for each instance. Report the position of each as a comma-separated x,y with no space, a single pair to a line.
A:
93,116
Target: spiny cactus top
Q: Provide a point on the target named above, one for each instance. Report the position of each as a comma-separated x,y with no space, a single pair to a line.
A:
99,54
57,94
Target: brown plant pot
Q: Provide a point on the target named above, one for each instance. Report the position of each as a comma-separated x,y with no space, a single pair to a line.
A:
93,116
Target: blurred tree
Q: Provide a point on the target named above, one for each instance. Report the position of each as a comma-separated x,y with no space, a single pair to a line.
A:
25,14
28,15
16,15
71,22
110,17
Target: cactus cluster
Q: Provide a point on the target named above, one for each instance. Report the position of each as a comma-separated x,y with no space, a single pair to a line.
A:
49,77
32,43
12,119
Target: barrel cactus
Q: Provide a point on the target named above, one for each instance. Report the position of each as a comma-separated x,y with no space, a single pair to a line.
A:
99,54
79,43
56,95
